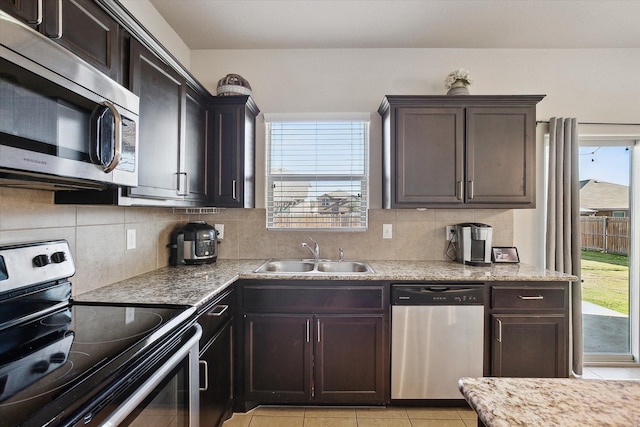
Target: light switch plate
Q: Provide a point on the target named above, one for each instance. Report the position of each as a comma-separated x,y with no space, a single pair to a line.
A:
387,231
131,238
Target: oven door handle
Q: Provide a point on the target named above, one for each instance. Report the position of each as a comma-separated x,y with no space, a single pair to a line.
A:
123,411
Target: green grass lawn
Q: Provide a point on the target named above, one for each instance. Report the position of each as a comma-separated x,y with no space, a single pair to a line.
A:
606,280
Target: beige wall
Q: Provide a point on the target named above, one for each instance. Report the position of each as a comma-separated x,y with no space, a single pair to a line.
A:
97,234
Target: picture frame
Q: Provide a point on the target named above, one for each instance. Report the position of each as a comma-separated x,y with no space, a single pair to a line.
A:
506,254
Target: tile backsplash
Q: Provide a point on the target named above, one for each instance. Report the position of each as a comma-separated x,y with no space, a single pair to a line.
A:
97,234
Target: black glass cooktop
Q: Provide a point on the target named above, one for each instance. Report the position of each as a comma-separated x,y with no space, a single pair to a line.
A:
65,358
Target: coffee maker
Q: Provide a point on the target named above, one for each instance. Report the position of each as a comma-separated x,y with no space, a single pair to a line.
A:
473,243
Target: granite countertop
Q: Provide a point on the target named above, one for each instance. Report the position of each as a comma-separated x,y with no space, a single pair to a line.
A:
567,402
196,284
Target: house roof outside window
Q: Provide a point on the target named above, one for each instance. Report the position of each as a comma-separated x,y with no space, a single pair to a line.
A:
598,196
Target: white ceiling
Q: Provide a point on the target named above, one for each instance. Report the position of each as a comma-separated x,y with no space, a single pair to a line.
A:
308,24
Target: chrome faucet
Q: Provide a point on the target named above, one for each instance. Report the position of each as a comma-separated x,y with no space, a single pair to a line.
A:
340,255
315,251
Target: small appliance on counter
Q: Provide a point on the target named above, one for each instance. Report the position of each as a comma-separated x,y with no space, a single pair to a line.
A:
473,243
195,242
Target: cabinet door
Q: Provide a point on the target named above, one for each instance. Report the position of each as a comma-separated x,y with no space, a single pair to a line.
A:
429,157
529,346
501,156
277,353
194,167
161,91
81,26
86,30
349,357
233,157
24,10
216,373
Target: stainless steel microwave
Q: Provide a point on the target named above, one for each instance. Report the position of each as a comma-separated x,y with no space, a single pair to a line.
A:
63,124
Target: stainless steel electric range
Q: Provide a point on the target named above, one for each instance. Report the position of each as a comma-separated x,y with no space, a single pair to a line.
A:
66,363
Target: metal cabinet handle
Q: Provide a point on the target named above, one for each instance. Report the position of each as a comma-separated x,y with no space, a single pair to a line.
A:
204,364
318,330
218,310
233,189
459,190
470,188
499,339
58,32
183,184
38,19
308,330
534,297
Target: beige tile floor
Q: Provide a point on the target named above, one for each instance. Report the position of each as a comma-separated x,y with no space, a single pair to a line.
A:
273,416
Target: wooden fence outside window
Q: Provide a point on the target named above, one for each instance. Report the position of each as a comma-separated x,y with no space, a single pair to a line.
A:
605,234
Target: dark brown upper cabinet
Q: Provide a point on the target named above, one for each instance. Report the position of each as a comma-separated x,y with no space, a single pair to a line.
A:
232,126
459,151
172,136
81,26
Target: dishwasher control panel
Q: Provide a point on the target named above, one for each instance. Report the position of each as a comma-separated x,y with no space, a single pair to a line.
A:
437,294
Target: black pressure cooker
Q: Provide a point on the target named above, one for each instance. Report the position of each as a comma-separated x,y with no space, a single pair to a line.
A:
195,242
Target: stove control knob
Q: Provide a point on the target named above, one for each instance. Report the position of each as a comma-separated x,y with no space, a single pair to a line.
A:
40,367
41,260
58,257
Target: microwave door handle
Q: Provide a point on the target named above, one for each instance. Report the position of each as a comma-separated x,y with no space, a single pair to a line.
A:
117,137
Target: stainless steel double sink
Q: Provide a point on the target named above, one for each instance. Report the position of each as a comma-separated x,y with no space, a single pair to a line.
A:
310,266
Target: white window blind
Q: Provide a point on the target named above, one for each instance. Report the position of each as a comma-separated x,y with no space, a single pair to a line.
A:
317,174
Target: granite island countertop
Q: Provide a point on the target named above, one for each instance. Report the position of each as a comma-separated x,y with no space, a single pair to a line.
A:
195,285
566,402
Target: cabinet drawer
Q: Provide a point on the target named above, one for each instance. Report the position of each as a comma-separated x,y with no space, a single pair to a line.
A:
215,316
281,299
529,298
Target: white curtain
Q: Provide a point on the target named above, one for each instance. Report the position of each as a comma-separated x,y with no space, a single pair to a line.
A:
563,222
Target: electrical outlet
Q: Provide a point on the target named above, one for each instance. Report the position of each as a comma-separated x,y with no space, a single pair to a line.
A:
220,229
131,238
450,233
387,231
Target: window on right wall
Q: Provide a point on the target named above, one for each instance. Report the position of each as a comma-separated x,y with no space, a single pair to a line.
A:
317,172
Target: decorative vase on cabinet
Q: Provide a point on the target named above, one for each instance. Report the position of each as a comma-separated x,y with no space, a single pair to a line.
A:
459,87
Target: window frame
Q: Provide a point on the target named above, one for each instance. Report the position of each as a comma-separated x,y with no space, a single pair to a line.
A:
361,220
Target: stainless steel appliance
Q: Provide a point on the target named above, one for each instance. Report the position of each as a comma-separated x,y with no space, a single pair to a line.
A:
63,124
437,335
67,363
196,242
473,243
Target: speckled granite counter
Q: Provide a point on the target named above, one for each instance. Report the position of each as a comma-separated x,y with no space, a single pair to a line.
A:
187,285
566,402
195,285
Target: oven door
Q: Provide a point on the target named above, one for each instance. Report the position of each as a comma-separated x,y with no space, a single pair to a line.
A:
166,394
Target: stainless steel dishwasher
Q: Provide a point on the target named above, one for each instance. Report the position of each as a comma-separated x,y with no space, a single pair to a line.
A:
437,335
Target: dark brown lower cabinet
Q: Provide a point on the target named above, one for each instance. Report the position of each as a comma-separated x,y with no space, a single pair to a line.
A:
216,390
529,346
348,358
315,344
529,324
217,361
322,359
277,358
